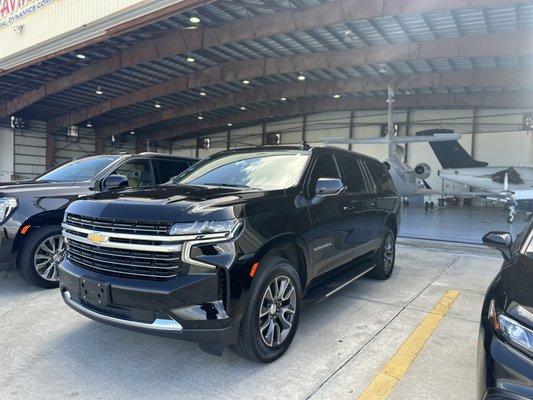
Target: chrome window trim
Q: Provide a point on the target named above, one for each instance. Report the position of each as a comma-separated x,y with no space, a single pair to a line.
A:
528,242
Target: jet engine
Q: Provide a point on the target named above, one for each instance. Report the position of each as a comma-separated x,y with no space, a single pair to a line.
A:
422,171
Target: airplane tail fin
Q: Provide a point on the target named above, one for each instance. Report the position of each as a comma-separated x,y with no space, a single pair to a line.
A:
450,153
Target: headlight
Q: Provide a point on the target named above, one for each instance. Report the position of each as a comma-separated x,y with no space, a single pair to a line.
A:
204,227
7,206
511,329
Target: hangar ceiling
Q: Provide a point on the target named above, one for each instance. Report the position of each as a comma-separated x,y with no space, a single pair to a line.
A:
248,61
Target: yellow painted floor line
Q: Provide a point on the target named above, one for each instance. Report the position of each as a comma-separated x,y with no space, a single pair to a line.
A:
384,382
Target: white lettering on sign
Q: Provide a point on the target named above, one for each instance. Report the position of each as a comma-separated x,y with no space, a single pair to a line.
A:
12,11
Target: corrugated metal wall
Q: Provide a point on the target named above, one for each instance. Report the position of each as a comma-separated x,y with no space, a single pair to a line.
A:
30,150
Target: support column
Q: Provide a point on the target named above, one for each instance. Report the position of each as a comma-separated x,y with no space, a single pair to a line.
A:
263,133
50,150
228,139
351,128
304,127
475,129
407,132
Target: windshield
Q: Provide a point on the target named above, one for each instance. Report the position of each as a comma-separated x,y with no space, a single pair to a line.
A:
79,170
258,170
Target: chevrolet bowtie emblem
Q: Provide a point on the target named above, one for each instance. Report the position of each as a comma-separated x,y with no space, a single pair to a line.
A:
97,238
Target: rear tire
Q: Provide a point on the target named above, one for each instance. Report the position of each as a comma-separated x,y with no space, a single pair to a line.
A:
268,327
41,243
385,256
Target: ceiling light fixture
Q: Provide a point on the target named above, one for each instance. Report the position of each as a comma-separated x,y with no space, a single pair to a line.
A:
283,99
336,96
203,93
194,19
157,105
89,124
99,91
243,108
301,77
132,132
191,59
246,81
200,117
81,56
230,124
382,69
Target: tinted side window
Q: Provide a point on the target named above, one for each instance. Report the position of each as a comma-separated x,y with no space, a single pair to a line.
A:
138,172
352,173
167,169
382,177
324,167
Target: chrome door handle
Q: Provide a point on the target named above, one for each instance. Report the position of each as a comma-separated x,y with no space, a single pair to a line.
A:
347,208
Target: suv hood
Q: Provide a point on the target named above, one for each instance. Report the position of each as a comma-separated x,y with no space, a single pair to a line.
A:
182,204
21,188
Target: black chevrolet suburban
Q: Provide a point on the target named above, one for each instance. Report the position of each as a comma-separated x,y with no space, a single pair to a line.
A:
31,211
227,253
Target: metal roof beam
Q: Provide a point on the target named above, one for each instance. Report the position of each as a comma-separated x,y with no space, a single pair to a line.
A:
512,99
512,77
494,45
183,41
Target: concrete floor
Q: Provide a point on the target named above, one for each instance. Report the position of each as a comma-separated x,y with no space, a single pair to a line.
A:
48,351
457,224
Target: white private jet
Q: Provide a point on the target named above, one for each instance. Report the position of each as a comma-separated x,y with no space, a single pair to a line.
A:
511,185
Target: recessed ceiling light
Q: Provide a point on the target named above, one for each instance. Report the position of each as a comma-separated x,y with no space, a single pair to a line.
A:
99,91
89,124
230,124
191,59
243,108
301,77
81,56
194,20
157,105
283,99
200,117
382,68
203,93
246,81
336,96
132,132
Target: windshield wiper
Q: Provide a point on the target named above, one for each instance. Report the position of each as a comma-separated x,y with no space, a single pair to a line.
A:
228,185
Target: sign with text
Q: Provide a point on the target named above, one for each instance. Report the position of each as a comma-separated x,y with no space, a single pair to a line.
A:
13,11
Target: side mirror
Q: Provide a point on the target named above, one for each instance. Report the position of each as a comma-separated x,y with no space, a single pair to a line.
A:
114,182
501,241
326,187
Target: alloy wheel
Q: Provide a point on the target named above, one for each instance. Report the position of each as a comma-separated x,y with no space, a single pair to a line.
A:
277,311
388,254
47,257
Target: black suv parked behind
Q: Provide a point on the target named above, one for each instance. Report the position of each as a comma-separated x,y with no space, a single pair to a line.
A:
31,212
227,253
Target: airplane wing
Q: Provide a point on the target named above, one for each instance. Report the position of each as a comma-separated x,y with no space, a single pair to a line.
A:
442,137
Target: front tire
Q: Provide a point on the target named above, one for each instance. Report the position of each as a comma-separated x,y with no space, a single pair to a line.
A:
39,257
385,256
271,315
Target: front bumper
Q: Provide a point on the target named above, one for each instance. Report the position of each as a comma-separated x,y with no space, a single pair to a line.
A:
186,307
7,256
506,373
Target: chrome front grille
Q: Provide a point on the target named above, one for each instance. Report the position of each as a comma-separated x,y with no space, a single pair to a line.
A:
143,264
118,226
123,248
